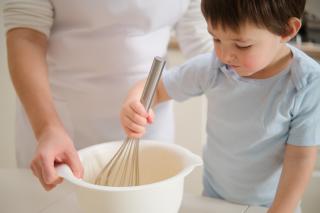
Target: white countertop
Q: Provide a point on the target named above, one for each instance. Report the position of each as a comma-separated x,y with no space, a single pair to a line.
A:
20,192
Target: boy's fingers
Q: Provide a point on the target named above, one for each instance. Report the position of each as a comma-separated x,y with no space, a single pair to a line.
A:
130,113
150,117
133,134
138,108
137,119
134,127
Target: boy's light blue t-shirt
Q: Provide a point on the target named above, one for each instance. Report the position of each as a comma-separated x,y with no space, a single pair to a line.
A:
250,121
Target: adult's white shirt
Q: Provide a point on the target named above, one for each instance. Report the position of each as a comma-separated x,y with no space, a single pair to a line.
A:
97,50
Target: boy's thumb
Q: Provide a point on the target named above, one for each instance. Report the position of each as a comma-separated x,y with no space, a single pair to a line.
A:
150,118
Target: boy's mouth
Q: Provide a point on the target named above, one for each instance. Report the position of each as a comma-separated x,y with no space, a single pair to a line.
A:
233,66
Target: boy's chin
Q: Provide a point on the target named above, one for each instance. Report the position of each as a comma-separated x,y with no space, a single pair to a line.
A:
245,74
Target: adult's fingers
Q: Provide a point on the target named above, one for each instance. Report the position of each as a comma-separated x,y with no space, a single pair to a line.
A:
36,169
75,164
48,170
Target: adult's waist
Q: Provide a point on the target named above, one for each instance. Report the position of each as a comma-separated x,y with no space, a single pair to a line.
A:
86,53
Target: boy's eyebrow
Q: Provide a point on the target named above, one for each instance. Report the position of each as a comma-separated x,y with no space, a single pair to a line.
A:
236,39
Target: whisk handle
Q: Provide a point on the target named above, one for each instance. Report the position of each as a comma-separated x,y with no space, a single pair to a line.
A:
152,81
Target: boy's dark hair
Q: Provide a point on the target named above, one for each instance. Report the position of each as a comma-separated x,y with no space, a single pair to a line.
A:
270,14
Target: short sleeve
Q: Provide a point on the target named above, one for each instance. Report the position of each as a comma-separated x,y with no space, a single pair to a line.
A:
33,14
305,123
192,78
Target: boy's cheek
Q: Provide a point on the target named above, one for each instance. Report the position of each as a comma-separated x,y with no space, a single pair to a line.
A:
251,62
218,53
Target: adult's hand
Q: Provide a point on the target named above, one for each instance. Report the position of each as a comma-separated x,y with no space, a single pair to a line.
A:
54,147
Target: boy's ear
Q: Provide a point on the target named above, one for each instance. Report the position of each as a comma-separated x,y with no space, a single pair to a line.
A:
294,25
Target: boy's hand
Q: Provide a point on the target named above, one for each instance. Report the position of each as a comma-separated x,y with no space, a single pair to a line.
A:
134,118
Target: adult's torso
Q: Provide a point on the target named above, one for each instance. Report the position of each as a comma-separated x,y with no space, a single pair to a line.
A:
97,51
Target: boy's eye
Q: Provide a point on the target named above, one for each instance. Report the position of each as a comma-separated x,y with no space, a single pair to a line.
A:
243,47
216,40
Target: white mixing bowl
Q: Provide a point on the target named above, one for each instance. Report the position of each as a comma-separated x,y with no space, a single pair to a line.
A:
163,167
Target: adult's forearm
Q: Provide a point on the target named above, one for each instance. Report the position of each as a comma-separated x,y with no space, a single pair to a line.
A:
298,165
28,70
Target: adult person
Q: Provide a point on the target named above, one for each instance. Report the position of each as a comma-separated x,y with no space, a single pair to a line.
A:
72,63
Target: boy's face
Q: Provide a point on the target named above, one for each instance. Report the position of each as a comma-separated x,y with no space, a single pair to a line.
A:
248,52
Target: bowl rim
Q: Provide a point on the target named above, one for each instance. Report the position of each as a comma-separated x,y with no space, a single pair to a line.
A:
65,172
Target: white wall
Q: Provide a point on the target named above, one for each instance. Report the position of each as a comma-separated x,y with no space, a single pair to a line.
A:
313,6
7,106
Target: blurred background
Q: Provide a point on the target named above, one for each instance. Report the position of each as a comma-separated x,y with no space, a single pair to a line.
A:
190,127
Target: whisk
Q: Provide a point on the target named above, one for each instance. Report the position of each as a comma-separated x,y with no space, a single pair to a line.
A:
123,168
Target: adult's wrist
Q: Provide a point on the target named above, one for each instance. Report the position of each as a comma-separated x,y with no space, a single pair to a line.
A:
47,129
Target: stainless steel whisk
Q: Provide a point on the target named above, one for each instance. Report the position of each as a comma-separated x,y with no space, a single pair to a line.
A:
123,168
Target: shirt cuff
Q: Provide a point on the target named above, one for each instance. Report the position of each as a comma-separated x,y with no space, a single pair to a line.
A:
33,14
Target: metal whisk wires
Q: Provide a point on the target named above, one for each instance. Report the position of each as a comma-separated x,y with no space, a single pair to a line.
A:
123,168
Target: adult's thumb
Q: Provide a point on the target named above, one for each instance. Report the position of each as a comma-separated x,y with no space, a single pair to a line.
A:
75,165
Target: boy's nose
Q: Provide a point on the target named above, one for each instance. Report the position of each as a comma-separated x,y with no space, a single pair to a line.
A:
228,57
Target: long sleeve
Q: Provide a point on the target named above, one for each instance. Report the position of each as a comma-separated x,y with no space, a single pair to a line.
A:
33,14
191,31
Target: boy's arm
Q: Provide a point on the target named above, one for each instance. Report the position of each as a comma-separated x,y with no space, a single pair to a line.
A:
297,169
162,94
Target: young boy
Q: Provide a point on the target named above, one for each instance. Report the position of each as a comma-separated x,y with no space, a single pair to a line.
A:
263,96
